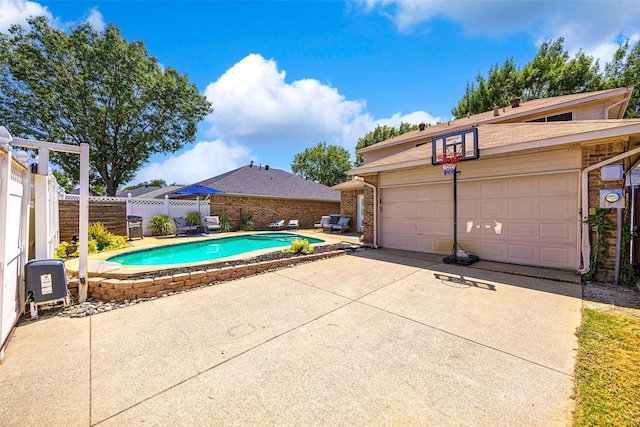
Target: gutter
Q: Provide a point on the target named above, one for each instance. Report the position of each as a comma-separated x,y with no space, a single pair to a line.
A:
375,212
586,245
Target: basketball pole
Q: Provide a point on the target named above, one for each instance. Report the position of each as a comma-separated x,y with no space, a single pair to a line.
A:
453,258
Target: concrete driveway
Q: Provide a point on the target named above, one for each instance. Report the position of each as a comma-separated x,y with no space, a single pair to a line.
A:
374,339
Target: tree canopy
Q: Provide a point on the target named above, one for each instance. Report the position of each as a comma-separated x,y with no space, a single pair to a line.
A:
551,73
326,164
379,134
95,88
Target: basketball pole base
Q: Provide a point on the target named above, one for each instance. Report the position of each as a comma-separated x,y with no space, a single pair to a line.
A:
453,259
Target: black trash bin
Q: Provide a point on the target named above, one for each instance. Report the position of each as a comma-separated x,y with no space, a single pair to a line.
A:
46,279
134,227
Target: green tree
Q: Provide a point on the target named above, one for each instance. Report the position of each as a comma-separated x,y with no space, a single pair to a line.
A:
379,134
95,88
64,181
550,73
152,183
624,71
326,164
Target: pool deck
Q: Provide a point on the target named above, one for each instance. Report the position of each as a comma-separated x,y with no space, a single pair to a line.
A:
150,242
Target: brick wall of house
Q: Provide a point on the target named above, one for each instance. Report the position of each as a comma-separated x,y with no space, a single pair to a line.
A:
265,210
591,155
368,210
349,206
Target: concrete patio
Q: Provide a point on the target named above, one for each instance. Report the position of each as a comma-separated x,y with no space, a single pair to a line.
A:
377,338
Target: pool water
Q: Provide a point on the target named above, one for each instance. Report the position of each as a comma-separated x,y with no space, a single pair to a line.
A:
208,250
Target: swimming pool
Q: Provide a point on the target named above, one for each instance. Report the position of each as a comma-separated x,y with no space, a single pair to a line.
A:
208,250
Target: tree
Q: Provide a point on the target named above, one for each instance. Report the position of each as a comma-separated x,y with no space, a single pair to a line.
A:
379,134
95,88
326,164
624,71
550,73
64,181
152,183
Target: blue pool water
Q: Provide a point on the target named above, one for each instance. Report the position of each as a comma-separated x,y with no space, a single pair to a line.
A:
207,250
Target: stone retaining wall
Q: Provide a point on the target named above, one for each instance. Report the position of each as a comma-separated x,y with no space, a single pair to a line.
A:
107,289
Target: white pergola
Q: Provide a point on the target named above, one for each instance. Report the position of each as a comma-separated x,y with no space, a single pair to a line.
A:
41,205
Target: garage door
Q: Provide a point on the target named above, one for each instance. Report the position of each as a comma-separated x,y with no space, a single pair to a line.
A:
530,220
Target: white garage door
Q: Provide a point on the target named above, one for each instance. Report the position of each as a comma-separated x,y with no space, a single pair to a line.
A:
530,220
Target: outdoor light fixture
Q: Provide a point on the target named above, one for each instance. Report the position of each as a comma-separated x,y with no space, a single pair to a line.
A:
5,136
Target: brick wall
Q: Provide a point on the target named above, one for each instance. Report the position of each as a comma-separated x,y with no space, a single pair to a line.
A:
265,210
349,206
591,155
368,210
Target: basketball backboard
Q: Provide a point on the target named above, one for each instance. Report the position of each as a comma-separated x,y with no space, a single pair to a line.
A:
464,143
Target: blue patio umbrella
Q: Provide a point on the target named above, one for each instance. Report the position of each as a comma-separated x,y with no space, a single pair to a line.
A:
197,190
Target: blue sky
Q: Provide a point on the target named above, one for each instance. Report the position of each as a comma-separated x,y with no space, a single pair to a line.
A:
286,75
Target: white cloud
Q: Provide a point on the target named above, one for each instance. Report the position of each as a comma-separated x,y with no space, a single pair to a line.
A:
18,11
254,105
256,111
96,20
595,27
205,160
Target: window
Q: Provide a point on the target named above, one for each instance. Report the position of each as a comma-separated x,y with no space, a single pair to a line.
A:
564,117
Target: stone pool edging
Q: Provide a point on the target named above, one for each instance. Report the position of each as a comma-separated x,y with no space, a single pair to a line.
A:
121,289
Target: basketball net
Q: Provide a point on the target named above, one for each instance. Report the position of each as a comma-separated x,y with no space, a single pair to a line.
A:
449,162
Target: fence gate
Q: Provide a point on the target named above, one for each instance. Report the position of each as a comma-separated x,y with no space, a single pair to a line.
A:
14,205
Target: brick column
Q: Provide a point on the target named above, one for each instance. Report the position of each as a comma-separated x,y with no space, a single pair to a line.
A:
591,155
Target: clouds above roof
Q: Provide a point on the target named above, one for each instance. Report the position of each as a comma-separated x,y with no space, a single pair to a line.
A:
590,25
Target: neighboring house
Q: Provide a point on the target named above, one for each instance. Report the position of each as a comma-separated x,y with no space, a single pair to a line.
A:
521,201
269,194
148,192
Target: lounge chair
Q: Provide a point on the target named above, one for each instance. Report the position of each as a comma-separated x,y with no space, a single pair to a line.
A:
324,221
342,225
211,223
293,224
182,227
278,224
333,219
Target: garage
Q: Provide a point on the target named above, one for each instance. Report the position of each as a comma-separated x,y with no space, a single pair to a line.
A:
527,219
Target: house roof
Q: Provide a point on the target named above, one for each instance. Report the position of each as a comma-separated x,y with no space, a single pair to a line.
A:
511,137
148,192
509,113
271,182
353,184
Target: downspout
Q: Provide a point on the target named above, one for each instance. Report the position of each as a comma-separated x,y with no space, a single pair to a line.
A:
586,245
375,212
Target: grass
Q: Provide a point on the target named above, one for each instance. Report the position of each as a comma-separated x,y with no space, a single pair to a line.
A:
608,370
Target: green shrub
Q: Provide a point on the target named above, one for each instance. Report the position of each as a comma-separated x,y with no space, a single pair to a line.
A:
225,224
246,221
104,239
300,246
192,218
61,250
161,225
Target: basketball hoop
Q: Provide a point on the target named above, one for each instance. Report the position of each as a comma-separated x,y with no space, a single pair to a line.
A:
449,162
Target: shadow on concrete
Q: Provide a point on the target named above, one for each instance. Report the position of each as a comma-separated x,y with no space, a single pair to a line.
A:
484,273
461,282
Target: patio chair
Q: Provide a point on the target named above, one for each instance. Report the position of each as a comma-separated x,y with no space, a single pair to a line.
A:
293,224
324,221
342,225
278,224
333,219
211,223
182,227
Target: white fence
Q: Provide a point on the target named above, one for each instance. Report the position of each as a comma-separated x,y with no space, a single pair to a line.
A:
148,208
15,189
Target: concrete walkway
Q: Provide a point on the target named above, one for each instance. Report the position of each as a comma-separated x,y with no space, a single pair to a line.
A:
376,338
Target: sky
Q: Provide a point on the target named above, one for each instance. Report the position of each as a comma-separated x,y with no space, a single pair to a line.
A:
283,76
